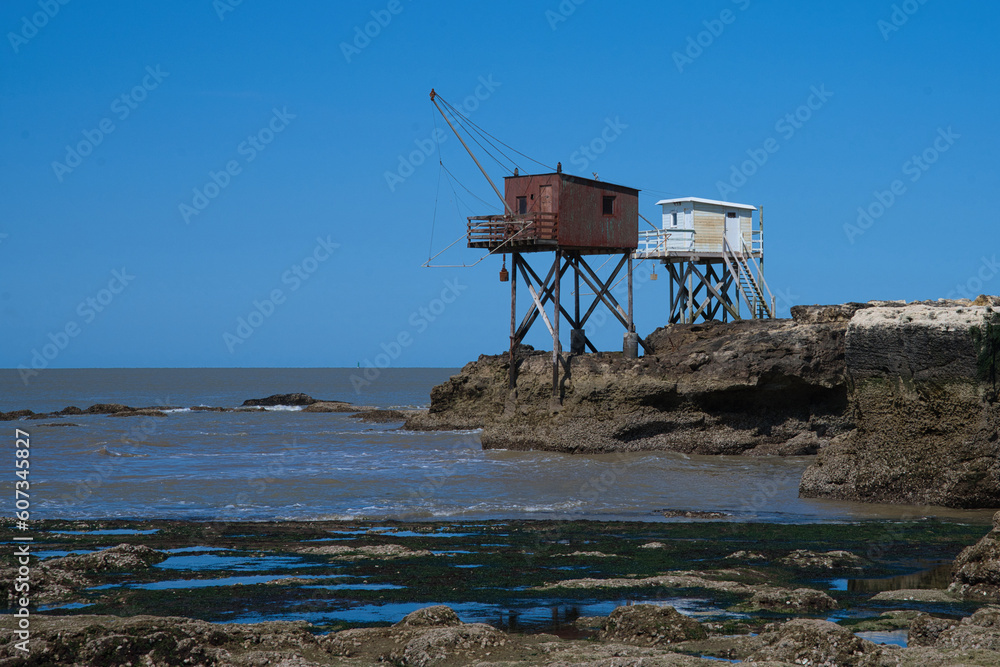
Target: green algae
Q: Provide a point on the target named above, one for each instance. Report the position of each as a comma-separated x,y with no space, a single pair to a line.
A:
486,564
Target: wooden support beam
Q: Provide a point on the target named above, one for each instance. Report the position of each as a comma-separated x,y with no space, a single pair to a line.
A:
603,293
546,295
631,321
556,351
514,341
713,291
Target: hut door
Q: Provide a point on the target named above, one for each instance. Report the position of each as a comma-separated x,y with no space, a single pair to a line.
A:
733,231
545,195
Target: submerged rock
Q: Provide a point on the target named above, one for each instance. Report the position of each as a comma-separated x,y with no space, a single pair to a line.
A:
380,416
381,551
141,412
331,406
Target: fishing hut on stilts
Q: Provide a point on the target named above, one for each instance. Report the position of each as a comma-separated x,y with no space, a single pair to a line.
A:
558,222
713,252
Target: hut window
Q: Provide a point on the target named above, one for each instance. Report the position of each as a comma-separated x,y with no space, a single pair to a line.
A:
609,205
522,205
731,214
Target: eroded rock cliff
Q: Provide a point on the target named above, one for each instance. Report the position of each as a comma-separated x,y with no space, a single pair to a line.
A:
926,418
751,387
899,400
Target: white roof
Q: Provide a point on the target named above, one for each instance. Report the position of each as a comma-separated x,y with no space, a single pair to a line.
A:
699,200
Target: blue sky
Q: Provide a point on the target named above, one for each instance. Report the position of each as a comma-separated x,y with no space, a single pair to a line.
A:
171,168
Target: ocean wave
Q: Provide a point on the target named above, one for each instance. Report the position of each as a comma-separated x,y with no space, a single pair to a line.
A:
401,431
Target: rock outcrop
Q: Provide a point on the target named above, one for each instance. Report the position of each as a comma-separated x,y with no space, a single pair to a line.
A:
813,642
280,399
61,580
927,423
977,568
650,625
900,401
750,387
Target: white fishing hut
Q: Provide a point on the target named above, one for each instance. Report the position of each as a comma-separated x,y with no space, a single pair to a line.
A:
714,254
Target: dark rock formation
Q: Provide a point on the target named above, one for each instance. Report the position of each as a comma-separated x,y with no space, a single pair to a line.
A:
62,579
977,568
750,387
380,416
979,632
814,642
280,399
141,412
15,414
813,560
437,616
791,601
650,625
926,429
108,409
900,401
332,406
925,629
161,641
124,557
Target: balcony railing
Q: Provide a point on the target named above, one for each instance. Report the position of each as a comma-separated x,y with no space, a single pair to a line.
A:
666,240
495,230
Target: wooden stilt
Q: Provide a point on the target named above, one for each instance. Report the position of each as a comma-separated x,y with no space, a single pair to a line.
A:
512,374
631,322
555,327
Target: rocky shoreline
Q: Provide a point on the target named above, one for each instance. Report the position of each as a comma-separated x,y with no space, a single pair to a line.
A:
893,397
307,403
166,593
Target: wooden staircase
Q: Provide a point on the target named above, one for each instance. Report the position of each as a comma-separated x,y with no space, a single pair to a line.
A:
746,272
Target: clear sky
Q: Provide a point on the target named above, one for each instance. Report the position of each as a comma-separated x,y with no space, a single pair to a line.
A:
171,167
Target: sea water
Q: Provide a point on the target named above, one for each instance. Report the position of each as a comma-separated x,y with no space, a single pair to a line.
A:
285,464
